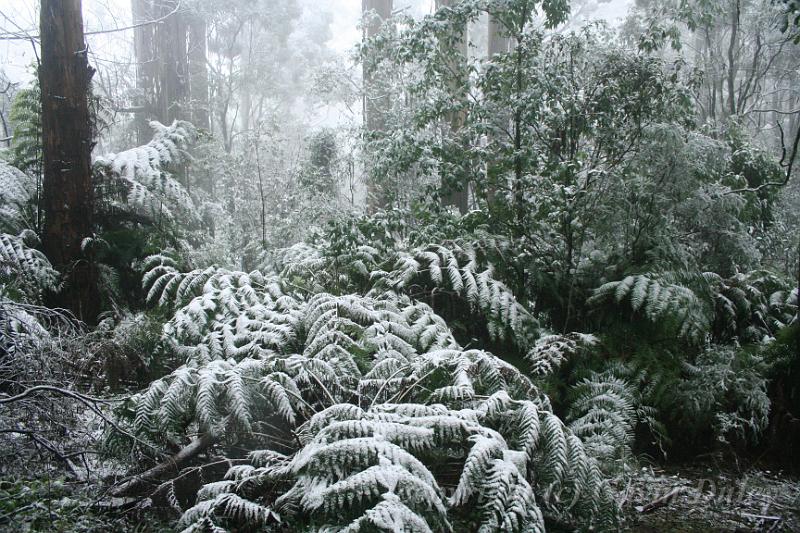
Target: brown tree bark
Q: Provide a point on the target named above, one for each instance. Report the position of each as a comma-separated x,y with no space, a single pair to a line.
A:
64,77
375,103
162,59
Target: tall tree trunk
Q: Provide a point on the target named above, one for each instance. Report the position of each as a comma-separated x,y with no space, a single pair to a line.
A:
162,58
146,72
198,71
732,53
457,196
498,38
64,77
376,104
498,43
172,49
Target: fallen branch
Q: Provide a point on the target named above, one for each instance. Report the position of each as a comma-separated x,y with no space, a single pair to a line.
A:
174,462
762,517
660,502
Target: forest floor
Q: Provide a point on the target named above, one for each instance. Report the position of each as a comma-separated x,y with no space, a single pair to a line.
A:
705,498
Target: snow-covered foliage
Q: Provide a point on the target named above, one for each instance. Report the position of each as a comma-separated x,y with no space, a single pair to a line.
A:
749,307
551,351
725,392
140,179
379,466
358,402
604,412
17,190
457,270
24,269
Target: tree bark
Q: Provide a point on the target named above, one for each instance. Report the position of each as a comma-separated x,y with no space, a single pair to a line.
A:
198,72
144,50
64,77
171,464
162,58
498,38
456,196
732,52
375,104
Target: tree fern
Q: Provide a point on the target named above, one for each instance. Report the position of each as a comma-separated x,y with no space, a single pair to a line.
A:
456,268
357,399
551,351
24,268
363,462
740,307
673,305
138,179
604,413
18,193
26,120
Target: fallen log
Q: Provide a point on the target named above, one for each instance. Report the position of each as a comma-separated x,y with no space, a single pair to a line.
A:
174,462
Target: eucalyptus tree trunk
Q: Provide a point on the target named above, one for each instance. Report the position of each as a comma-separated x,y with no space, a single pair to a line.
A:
198,71
732,56
162,58
64,78
143,45
376,104
498,43
457,53
498,38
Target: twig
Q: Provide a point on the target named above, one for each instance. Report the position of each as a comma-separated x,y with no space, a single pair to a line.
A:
24,36
660,502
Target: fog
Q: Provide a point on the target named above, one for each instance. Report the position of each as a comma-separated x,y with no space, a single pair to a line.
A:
496,266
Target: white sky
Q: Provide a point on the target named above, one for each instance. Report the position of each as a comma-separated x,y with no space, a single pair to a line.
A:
16,57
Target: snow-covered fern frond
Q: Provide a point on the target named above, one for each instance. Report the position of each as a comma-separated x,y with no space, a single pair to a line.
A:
457,270
24,268
551,351
604,415
17,194
222,397
377,467
143,173
26,120
783,307
673,305
750,307
357,401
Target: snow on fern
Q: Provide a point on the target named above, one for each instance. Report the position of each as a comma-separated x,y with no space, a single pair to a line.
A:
748,307
144,172
551,351
659,301
24,267
377,467
356,401
17,191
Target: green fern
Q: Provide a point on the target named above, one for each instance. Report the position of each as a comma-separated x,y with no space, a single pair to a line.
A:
25,269
675,306
139,181
26,121
357,399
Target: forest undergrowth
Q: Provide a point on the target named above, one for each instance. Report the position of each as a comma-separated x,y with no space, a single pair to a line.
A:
566,301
